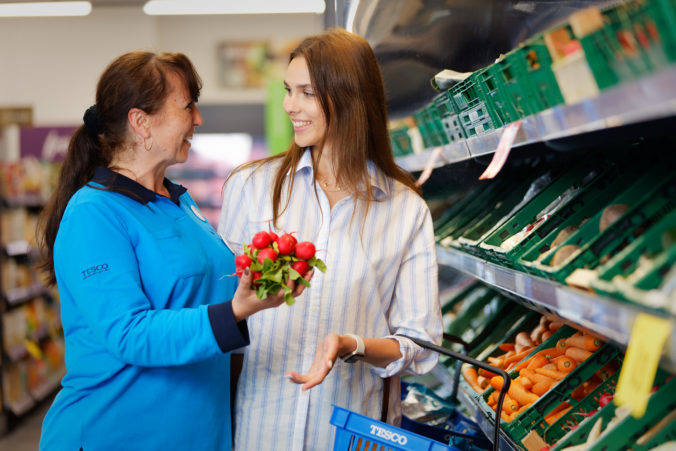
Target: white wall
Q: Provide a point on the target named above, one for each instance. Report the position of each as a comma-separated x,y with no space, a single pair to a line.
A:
53,64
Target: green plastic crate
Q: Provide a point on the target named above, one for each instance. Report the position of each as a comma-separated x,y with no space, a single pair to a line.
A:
401,142
651,198
625,433
625,264
663,14
473,113
594,199
448,117
527,217
496,99
527,76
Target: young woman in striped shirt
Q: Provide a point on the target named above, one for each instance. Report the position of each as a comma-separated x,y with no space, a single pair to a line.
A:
339,187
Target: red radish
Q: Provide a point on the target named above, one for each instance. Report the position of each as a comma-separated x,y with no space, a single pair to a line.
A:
273,235
286,244
266,253
255,276
242,261
301,267
261,240
305,250
605,399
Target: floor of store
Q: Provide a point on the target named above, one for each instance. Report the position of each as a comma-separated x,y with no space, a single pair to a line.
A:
25,435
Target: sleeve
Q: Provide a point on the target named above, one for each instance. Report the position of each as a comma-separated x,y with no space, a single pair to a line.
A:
96,264
415,310
233,224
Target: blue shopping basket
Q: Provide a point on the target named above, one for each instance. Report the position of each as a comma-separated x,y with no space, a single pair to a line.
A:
356,432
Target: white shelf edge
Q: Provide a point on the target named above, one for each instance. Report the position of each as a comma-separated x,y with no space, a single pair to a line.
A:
610,318
647,98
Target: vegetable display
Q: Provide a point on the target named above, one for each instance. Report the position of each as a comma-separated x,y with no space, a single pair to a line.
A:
275,260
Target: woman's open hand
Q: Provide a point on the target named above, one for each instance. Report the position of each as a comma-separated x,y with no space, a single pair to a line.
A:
245,302
326,355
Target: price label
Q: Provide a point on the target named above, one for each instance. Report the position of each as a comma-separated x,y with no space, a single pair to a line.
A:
502,152
647,339
431,162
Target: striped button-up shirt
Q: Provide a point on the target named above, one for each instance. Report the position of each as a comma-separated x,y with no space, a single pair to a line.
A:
381,280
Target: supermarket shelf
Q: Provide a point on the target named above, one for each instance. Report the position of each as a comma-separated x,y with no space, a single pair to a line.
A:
485,423
648,98
19,295
25,200
21,406
607,317
49,386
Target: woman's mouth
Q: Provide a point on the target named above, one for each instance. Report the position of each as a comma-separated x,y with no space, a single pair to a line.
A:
300,125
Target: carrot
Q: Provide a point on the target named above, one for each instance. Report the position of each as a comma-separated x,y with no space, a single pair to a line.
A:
497,382
552,418
561,345
555,325
505,417
527,383
470,375
521,395
584,342
578,354
549,366
541,387
557,375
546,334
536,333
516,357
538,361
565,364
483,382
495,361
506,346
486,373
509,406
522,408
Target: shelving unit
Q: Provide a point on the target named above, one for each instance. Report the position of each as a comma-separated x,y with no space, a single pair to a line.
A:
650,98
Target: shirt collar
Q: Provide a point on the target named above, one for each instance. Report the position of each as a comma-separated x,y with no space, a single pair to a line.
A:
377,178
132,189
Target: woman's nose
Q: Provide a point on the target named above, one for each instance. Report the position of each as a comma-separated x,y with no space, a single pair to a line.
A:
289,104
197,117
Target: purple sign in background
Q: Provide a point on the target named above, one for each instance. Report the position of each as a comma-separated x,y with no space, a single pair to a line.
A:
45,143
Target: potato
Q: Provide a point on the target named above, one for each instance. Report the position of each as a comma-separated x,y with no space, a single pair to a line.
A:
563,235
611,214
563,253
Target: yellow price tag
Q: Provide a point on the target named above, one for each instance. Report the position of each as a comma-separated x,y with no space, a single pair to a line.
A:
636,379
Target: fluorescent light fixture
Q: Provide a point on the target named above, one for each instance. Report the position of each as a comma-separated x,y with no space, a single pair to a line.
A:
181,7
45,9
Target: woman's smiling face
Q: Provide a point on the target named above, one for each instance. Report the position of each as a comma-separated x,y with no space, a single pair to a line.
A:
173,126
303,108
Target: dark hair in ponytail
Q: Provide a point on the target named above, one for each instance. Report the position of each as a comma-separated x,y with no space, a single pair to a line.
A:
133,80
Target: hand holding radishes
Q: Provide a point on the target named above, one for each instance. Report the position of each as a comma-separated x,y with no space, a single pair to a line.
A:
277,262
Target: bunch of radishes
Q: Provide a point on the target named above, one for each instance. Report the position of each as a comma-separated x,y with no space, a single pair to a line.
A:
274,260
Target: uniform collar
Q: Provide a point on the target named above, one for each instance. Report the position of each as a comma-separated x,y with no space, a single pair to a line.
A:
376,178
132,189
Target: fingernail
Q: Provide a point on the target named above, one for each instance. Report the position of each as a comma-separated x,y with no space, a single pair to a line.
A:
246,271
330,363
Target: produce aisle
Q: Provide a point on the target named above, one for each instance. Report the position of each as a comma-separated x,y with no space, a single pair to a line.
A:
565,258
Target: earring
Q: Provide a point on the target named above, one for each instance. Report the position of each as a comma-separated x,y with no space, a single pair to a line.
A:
146,147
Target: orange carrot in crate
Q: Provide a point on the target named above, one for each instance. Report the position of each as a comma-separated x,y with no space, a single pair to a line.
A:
584,342
521,395
578,354
522,340
541,387
565,364
555,325
525,382
509,406
471,376
557,375
546,334
506,346
538,361
497,382
516,357
486,373
552,418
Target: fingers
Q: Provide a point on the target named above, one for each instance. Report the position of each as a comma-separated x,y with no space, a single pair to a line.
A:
245,280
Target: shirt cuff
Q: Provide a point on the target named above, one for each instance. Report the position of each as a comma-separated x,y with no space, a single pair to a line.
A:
229,334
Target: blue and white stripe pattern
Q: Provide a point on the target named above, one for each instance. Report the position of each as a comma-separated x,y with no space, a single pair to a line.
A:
381,280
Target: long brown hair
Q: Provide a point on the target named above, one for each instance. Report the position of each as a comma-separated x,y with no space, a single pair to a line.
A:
348,84
133,80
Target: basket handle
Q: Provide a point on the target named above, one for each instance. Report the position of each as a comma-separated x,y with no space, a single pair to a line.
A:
503,391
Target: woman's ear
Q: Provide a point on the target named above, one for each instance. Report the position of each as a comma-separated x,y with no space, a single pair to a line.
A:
139,122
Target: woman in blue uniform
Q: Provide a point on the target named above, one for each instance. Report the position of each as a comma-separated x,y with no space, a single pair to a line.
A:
148,316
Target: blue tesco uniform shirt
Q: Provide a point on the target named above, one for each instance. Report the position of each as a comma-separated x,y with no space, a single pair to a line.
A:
147,322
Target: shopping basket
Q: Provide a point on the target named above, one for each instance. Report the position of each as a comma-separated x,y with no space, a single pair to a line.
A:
356,432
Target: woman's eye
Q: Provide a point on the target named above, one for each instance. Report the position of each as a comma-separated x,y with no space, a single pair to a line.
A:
288,90
309,94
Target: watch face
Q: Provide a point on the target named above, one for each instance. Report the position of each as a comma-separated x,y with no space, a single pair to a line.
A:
353,358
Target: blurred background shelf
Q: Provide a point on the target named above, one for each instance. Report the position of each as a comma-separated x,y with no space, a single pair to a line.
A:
612,319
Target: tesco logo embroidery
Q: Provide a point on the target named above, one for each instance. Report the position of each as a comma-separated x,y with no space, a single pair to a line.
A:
388,435
94,270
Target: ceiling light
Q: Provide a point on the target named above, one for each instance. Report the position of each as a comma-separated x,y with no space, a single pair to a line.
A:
179,7
45,9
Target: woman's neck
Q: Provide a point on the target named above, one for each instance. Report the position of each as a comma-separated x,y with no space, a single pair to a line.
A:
149,176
